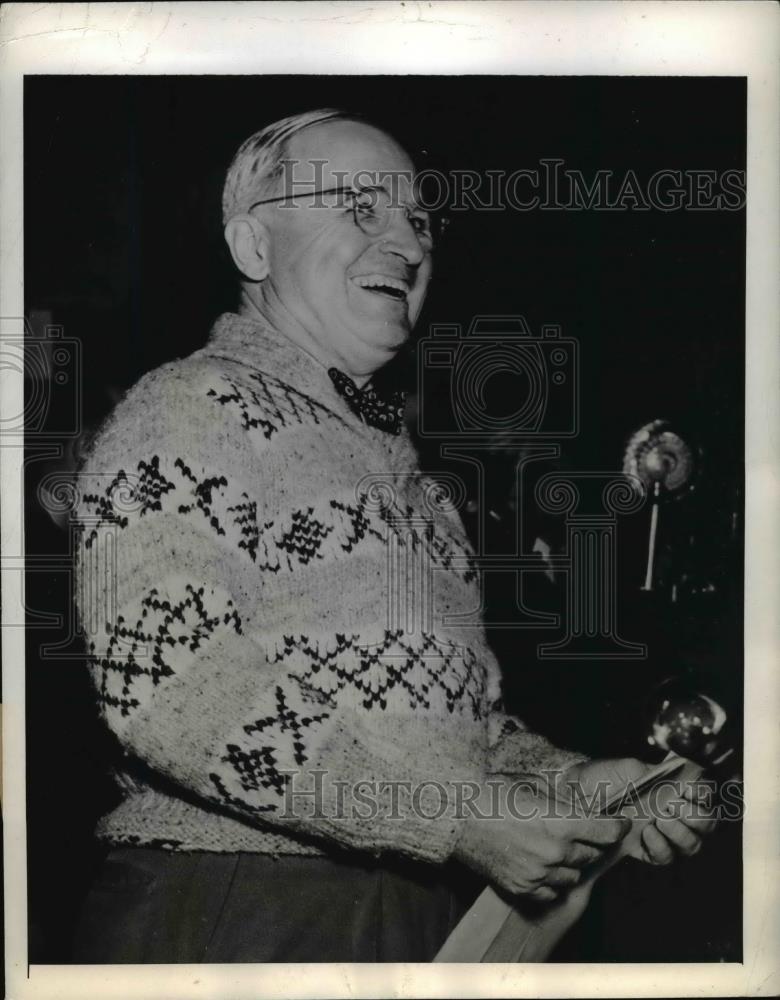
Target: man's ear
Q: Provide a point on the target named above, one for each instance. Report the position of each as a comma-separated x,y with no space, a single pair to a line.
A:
249,243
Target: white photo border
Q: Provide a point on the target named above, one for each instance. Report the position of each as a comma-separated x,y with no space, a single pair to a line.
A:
515,38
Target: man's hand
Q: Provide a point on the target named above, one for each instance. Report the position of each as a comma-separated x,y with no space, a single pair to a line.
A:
679,828
528,845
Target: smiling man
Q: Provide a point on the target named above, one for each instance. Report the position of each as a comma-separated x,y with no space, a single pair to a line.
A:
345,299
304,776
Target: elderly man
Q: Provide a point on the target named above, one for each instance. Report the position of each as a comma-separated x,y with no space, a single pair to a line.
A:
303,778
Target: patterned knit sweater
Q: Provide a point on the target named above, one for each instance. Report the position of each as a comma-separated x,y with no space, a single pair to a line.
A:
276,598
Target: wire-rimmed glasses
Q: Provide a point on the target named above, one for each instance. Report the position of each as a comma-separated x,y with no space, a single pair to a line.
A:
372,211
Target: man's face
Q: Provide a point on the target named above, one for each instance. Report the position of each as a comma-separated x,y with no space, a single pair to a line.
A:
356,294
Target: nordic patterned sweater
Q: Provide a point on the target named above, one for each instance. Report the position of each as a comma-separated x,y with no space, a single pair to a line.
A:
277,599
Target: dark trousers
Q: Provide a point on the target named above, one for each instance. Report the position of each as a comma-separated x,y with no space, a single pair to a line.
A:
151,905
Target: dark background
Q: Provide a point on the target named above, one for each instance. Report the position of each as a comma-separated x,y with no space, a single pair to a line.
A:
123,249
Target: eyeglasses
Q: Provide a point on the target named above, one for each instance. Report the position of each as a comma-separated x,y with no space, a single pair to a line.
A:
372,212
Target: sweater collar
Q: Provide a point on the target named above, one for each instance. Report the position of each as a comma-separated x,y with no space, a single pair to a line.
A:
256,345
252,343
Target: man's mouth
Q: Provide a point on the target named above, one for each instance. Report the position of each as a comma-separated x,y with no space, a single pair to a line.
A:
383,284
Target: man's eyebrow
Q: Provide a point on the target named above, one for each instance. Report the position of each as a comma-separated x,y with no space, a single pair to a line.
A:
381,187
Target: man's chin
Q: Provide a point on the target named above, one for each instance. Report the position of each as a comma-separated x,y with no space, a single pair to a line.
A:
386,336
392,338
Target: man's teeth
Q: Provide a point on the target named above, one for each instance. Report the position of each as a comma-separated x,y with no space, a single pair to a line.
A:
382,283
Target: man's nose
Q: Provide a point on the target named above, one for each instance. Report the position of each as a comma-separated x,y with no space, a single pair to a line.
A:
400,237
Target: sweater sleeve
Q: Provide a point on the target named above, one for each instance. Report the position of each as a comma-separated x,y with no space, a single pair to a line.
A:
516,749
170,592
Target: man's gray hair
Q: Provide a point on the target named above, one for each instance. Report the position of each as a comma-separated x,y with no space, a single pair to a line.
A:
258,162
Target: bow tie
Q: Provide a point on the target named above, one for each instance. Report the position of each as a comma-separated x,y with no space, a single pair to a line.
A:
386,414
